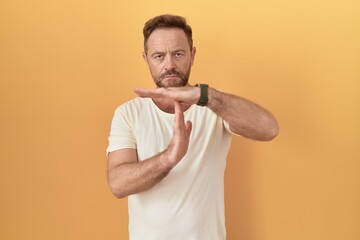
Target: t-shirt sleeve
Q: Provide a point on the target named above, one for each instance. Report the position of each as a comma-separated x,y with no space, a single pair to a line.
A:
228,130
121,132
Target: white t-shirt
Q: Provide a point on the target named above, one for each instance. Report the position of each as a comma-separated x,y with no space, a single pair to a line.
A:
188,204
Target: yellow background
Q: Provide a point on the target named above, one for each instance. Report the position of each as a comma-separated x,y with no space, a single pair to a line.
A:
66,65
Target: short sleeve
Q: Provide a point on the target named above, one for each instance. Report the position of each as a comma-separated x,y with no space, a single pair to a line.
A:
121,132
227,128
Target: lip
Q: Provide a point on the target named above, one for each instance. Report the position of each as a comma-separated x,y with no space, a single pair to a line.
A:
171,76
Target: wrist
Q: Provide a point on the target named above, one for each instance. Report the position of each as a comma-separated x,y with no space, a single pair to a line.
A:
166,160
215,100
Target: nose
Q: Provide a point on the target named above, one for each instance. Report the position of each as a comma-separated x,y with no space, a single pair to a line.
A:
169,63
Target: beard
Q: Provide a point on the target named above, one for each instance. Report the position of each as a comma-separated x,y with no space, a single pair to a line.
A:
180,81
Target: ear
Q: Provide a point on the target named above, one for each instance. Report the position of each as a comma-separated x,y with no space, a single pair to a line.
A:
193,52
144,56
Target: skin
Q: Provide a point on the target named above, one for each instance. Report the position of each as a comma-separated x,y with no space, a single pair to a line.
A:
169,59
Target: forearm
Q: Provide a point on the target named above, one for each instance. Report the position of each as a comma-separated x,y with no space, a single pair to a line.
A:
134,177
127,175
244,117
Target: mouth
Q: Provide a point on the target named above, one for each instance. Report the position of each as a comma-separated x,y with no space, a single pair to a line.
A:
171,76
168,74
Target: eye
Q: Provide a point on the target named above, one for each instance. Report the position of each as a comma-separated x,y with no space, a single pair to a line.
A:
158,56
179,54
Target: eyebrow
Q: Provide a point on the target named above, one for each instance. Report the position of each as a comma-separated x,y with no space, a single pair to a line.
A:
162,53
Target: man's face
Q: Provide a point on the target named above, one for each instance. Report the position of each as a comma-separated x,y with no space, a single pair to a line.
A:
169,57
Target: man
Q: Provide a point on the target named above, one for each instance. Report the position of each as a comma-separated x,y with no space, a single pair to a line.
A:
167,148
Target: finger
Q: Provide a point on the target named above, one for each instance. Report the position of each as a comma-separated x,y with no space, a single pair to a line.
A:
179,125
179,115
142,92
188,127
149,93
177,107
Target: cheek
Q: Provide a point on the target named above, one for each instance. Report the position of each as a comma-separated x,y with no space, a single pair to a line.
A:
155,70
152,67
155,66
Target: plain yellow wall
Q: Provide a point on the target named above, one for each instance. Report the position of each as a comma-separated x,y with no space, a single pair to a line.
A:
66,65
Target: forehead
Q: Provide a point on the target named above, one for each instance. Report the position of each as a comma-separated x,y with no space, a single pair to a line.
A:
163,39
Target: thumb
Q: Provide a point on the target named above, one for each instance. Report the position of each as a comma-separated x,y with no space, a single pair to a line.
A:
188,127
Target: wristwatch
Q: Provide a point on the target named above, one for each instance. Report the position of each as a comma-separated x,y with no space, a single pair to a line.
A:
203,100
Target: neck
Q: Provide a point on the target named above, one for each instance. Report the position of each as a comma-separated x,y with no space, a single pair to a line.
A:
167,105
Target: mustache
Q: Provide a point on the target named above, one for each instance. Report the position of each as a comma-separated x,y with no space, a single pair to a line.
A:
171,72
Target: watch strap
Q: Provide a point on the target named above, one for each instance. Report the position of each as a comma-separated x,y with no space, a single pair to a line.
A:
203,100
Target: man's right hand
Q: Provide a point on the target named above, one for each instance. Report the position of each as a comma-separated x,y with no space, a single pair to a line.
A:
127,175
181,137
